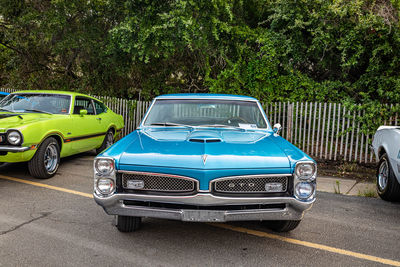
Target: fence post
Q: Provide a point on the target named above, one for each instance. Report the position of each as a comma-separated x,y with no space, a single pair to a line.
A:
289,121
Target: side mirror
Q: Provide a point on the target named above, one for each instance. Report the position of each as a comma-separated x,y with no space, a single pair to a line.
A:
277,128
83,112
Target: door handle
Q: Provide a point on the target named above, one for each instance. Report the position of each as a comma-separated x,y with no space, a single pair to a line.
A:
98,119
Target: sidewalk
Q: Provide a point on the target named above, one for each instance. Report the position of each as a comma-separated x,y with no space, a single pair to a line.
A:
346,186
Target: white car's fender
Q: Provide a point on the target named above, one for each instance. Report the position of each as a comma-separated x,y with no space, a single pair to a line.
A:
387,140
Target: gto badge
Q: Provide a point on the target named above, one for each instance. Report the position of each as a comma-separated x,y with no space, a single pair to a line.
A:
135,184
204,158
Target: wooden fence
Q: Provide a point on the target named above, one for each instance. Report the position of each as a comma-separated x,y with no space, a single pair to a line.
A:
319,129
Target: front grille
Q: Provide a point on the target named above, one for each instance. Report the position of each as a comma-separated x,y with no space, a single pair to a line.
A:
249,184
158,182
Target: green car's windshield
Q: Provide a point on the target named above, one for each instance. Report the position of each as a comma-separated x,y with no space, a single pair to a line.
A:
206,113
36,103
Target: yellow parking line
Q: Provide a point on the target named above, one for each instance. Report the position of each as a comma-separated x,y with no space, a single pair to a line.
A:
307,244
239,229
47,186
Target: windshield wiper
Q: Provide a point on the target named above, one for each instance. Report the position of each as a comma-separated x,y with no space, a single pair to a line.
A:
37,110
169,124
7,110
220,126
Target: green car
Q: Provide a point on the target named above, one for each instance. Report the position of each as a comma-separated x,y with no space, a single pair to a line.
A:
40,127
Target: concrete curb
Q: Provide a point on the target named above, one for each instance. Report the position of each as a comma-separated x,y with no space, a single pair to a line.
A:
346,186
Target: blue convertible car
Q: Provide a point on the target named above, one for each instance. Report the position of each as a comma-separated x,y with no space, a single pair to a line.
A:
205,158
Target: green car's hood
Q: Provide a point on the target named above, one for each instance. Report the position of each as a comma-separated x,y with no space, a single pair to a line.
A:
19,120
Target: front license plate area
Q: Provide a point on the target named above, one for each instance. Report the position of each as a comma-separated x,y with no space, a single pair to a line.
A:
203,216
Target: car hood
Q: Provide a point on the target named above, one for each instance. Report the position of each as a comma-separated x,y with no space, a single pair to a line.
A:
202,149
18,120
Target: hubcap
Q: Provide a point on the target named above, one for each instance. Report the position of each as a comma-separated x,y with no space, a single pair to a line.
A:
110,139
383,175
51,158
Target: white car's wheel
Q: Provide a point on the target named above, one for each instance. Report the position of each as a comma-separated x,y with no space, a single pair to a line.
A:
386,183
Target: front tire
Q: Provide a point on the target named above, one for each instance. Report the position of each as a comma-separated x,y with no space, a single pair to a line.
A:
282,226
128,224
107,142
45,162
386,183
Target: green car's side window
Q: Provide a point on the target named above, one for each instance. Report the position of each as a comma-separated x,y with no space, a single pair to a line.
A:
100,107
83,103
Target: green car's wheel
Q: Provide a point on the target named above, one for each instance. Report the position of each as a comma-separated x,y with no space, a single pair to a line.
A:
45,162
128,223
386,183
282,226
107,142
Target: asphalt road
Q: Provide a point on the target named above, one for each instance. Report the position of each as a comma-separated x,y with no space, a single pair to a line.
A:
41,226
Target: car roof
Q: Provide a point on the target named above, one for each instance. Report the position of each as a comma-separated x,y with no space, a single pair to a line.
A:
206,96
52,92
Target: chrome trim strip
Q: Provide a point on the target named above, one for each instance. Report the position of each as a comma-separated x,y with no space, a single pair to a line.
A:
197,183
147,114
294,210
204,98
245,176
14,149
201,199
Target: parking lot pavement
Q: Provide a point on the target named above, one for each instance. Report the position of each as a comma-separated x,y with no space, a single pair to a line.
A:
47,222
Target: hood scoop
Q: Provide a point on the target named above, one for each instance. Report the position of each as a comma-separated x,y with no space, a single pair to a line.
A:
203,136
204,140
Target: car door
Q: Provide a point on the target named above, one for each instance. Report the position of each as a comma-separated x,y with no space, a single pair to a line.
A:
88,132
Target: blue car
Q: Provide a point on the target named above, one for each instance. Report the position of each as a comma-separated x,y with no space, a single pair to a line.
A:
205,158
3,95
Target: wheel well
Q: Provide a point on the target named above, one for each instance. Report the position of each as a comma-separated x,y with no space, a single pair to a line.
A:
112,129
58,138
381,152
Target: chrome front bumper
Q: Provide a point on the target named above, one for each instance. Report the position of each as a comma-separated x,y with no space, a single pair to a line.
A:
294,209
13,148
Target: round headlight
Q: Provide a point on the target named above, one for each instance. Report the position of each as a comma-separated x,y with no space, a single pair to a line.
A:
304,190
104,166
105,186
305,170
14,137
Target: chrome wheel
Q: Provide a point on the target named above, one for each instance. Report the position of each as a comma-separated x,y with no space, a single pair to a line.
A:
51,158
383,175
109,139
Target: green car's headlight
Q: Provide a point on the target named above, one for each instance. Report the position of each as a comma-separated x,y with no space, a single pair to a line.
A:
14,137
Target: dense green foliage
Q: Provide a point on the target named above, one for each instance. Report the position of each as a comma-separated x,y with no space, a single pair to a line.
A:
275,50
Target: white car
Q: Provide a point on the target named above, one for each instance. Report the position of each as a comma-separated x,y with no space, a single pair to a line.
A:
386,145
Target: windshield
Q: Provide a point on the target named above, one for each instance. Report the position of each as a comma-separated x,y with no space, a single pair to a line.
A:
206,112
40,103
